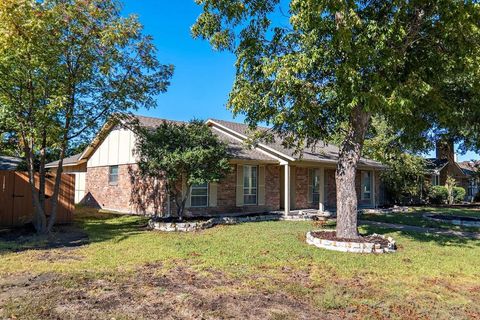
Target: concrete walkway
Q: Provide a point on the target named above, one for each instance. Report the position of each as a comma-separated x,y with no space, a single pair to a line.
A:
438,231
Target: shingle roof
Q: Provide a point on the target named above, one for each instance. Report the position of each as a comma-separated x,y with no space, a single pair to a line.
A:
320,152
236,149
434,164
151,122
469,167
9,163
240,151
72,160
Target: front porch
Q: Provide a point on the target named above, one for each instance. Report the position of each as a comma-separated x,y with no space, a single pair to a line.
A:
312,189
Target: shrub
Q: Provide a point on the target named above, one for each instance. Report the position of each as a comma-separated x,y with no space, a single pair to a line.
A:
438,194
459,194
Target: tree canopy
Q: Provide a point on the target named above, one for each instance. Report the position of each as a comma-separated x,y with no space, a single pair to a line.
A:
65,67
182,154
319,68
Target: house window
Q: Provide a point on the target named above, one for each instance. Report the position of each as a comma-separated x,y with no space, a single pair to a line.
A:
113,175
250,185
199,195
366,185
435,180
315,187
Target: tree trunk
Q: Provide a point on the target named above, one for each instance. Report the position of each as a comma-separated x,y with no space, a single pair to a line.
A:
183,202
56,191
42,172
39,220
350,152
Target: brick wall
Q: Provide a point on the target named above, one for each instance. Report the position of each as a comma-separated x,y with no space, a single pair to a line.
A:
226,194
301,189
138,196
99,193
331,194
134,196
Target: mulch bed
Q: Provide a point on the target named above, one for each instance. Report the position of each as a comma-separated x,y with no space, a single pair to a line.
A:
332,236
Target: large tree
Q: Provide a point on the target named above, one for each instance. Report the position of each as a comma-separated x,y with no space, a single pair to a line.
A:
180,155
65,67
313,69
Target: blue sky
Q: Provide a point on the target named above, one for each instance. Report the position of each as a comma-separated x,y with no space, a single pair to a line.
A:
203,77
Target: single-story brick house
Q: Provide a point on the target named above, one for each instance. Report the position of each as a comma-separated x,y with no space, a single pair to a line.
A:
267,177
445,164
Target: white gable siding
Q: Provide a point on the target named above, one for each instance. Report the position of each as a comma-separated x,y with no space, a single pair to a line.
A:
116,149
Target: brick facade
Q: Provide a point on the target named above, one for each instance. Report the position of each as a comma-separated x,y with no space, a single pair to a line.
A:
130,195
331,194
100,193
226,195
301,189
134,195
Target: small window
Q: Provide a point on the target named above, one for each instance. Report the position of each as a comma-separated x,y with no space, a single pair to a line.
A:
113,175
199,195
435,180
366,185
250,185
315,186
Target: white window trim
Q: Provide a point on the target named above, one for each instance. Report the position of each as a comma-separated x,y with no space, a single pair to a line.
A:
256,186
207,195
110,182
363,186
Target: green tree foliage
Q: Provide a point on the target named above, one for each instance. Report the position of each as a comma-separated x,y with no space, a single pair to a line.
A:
181,155
65,67
404,177
312,67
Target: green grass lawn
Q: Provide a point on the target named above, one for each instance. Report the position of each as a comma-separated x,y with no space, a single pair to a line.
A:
429,277
415,217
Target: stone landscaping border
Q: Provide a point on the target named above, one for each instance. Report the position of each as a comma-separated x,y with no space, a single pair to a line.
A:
353,247
189,226
457,220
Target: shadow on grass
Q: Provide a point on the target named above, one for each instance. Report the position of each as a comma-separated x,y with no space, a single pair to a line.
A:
89,227
443,240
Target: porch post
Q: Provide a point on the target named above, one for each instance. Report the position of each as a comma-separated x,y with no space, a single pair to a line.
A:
321,202
286,197
373,190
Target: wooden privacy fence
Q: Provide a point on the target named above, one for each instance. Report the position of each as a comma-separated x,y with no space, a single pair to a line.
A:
16,207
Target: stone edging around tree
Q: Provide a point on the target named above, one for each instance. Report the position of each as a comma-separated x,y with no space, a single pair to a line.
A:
353,247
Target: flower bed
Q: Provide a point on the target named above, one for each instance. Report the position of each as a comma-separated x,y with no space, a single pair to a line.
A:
374,243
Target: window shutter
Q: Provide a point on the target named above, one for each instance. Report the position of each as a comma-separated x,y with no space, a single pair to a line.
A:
261,185
239,188
310,185
293,188
212,194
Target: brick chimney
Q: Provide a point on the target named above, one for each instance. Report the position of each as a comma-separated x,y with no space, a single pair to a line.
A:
446,150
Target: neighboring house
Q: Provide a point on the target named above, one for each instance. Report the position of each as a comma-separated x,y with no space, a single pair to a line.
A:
267,177
74,165
9,163
470,168
445,165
